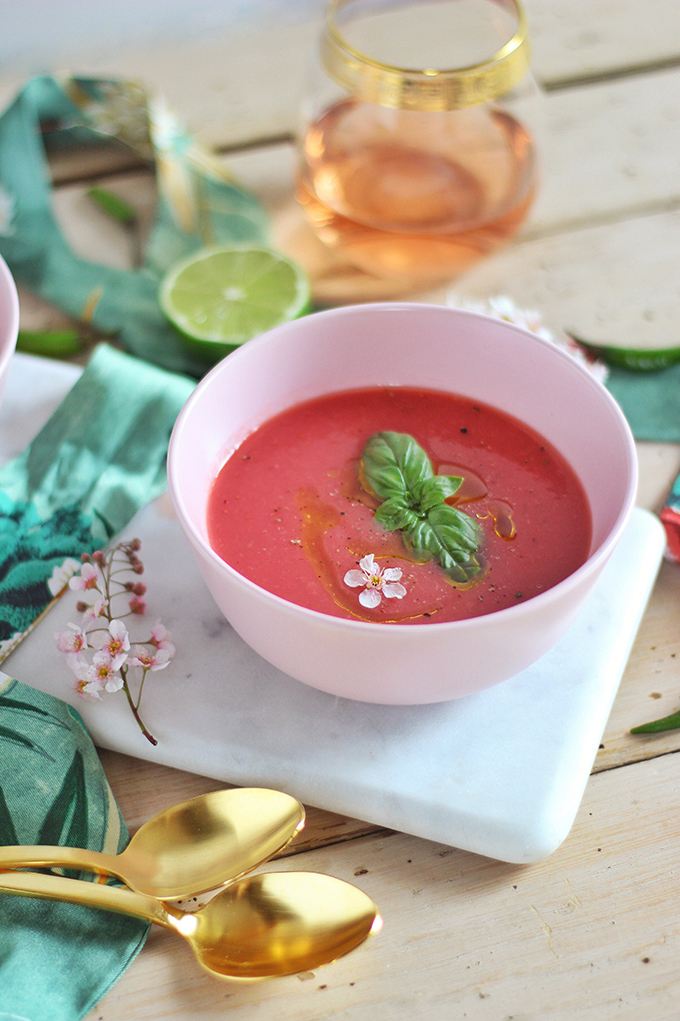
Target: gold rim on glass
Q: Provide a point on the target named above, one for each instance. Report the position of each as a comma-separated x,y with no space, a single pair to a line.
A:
429,89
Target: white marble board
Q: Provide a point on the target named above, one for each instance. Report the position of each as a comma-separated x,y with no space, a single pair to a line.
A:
500,773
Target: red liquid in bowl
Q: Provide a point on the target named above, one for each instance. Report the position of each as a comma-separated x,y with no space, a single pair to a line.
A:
288,511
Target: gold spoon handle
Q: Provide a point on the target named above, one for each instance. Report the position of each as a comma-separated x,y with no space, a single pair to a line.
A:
93,895
19,857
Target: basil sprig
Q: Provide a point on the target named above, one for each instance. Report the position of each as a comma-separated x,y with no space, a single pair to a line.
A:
396,469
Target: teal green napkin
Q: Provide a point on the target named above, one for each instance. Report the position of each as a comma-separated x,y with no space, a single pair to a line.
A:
650,401
56,960
198,205
99,459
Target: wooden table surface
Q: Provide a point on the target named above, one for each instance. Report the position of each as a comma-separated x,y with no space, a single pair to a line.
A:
594,931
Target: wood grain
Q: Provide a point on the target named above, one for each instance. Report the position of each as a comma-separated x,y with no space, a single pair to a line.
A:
591,933
233,88
621,211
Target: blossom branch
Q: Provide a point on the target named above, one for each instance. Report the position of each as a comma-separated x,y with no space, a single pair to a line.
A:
98,650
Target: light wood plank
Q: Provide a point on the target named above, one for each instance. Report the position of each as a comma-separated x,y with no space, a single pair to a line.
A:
235,87
606,151
611,283
581,183
637,119
594,38
591,933
609,150
650,688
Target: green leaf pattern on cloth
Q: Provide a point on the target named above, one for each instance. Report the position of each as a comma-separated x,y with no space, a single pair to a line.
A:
97,461
31,553
198,205
56,960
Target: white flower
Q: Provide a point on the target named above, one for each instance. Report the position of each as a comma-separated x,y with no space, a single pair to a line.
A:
62,574
113,645
166,129
147,660
71,642
100,675
86,578
88,689
376,583
95,611
162,639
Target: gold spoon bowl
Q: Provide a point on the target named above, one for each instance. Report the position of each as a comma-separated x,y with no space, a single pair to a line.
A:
271,924
193,847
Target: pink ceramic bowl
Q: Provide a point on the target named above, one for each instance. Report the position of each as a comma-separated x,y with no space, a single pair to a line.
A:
9,322
424,346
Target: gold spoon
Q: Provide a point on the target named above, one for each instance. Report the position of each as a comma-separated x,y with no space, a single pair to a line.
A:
188,849
274,923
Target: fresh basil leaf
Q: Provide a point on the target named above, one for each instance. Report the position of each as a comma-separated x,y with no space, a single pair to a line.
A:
457,529
393,464
430,492
395,514
398,471
453,538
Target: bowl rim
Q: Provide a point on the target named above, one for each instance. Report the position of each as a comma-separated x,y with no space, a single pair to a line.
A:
597,557
8,287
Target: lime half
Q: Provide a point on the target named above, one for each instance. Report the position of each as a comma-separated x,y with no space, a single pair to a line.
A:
218,298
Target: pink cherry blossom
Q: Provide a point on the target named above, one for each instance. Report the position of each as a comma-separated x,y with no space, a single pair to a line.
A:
103,674
71,642
137,605
161,638
148,660
86,579
98,650
87,689
376,582
95,611
114,643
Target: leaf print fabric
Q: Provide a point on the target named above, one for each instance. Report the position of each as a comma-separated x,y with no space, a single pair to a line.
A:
198,204
30,550
56,960
98,460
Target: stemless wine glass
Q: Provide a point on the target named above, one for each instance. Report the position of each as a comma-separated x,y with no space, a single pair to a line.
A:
417,150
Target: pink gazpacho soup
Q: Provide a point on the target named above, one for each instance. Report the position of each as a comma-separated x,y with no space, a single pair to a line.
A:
399,505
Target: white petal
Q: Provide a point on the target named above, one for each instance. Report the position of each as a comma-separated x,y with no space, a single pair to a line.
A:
367,564
118,630
392,573
114,683
355,578
370,598
394,591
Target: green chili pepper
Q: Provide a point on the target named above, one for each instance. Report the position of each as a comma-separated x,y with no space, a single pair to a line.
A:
113,206
50,343
671,722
